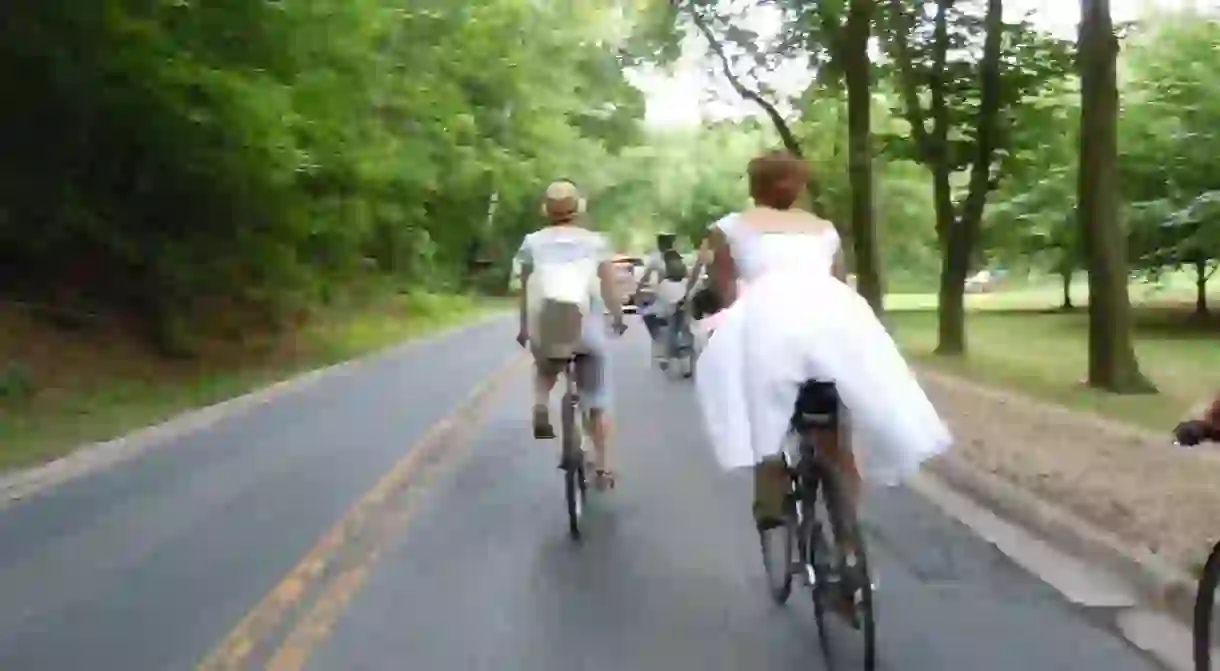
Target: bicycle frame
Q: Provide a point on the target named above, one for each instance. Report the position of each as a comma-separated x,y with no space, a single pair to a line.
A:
806,480
572,436
572,459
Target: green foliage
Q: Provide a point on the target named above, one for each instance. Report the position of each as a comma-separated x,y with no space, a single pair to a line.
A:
16,382
1031,61
1168,138
176,160
1172,136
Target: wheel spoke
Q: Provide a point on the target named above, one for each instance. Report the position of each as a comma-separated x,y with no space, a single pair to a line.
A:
1207,625
840,578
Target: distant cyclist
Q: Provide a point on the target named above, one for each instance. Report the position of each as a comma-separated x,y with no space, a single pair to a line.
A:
654,263
564,266
654,269
660,315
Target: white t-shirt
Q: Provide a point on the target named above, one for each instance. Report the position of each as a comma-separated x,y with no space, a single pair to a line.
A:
654,265
565,244
668,294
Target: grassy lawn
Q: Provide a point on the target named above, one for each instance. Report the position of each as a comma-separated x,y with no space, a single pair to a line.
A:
1017,338
92,386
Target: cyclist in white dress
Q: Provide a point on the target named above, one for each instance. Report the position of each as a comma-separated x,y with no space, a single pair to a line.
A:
790,319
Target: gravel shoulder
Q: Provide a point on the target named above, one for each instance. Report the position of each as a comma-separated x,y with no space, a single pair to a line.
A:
1123,479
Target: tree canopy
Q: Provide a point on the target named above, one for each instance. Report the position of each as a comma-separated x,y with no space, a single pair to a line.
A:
174,161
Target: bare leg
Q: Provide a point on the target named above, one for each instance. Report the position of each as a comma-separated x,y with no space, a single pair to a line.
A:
838,452
592,382
597,425
544,381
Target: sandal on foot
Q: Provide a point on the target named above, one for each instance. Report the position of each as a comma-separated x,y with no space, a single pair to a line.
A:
603,479
846,604
542,424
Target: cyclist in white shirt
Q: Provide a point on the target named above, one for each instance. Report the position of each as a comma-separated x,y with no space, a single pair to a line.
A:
654,267
654,263
659,315
563,241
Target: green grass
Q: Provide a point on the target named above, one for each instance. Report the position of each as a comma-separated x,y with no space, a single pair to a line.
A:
91,387
1018,339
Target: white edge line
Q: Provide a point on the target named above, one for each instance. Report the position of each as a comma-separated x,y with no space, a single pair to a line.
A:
93,457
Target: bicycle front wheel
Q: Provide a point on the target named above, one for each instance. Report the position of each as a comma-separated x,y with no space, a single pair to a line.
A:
779,552
1205,616
850,568
574,483
574,490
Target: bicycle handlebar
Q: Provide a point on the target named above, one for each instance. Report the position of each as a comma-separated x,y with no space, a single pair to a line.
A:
1194,432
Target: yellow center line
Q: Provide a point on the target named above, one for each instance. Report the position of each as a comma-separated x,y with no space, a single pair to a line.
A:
267,617
315,627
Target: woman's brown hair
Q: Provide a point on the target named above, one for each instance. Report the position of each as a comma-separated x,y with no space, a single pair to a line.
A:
777,179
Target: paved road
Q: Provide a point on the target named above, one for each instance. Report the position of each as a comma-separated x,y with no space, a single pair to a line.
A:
460,559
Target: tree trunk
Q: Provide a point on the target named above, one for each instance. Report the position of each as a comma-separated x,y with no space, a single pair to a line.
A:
1201,276
1112,362
1065,272
959,235
955,260
951,312
860,153
954,265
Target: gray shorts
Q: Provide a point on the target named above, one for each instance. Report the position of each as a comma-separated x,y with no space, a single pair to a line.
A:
592,378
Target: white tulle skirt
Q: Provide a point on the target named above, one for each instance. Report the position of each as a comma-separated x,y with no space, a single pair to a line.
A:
786,328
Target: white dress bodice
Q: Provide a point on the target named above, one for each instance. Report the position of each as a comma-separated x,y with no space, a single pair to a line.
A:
756,254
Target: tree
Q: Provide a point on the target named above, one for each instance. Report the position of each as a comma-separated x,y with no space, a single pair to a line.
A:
156,167
972,96
1112,362
1033,220
703,15
1169,143
812,30
1168,238
857,76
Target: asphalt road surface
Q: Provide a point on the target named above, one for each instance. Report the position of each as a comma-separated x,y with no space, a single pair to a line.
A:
385,519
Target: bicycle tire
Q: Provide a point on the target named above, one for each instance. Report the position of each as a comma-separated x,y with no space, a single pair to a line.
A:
574,484
685,360
814,550
842,523
679,367
780,587
1205,604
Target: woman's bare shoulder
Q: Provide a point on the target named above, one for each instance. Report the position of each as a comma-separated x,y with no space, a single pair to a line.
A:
766,220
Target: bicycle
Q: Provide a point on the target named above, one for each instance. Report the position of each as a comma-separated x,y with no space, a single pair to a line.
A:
1205,605
1190,434
831,573
573,459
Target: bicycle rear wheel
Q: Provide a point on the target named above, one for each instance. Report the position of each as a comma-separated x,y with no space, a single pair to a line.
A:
574,483
686,356
848,574
1205,616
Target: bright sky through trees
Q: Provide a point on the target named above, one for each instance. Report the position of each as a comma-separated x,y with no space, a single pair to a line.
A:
681,97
